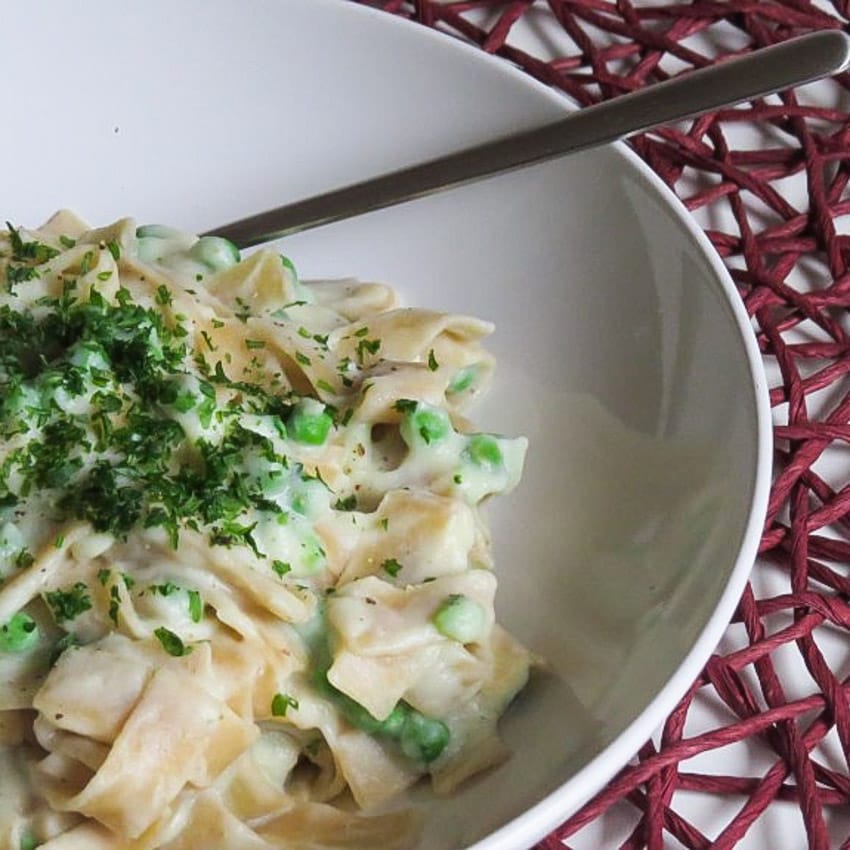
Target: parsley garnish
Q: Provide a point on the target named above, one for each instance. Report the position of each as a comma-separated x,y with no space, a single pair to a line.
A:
163,295
196,606
349,503
367,346
282,703
114,603
281,567
405,405
68,604
172,643
391,566
36,252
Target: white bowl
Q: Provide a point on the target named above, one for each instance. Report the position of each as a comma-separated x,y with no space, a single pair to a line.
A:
624,353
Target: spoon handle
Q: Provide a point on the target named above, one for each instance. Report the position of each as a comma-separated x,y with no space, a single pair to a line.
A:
764,71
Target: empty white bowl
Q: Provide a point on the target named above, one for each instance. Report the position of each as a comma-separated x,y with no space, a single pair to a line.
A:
624,354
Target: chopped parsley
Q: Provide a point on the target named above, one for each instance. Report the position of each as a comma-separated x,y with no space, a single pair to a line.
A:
34,252
70,603
281,567
349,503
367,346
163,295
172,643
405,405
196,606
114,603
392,567
433,365
282,703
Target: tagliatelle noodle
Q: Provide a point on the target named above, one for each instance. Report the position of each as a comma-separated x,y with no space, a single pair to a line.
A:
246,598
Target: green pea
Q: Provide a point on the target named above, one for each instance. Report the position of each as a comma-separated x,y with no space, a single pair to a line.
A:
313,557
19,634
484,450
11,540
424,425
463,379
460,618
310,423
423,738
215,253
390,727
158,231
358,716
29,841
393,725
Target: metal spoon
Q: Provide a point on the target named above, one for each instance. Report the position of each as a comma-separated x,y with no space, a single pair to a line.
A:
771,69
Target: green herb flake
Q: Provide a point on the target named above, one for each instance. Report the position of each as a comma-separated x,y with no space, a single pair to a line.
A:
367,346
253,344
405,405
281,567
163,295
24,559
282,703
114,249
114,603
208,341
68,604
349,503
103,576
392,567
433,365
172,643
196,606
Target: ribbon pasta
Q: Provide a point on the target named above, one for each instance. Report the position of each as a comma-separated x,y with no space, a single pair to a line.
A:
246,595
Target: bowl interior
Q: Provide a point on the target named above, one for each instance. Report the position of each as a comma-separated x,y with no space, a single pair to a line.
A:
620,357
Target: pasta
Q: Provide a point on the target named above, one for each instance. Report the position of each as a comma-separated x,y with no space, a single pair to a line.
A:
247,597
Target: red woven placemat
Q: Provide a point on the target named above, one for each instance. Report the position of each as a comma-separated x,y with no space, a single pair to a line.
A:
791,262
